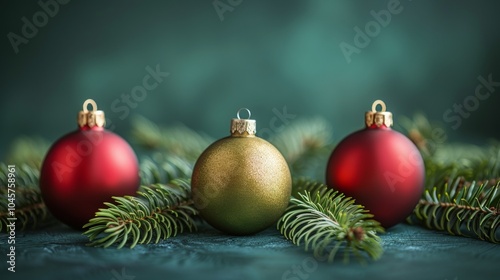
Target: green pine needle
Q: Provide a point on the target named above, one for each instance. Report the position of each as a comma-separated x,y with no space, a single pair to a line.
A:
466,210
462,194
326,222
177,140
157,212
306,145
30,210
161,169
27,151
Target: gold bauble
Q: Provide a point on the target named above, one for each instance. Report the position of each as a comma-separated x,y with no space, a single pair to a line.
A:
241,184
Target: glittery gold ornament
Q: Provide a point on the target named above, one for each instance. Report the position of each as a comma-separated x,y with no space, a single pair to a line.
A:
241,184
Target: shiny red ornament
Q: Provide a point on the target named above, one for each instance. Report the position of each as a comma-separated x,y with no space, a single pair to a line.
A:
379,167
85,168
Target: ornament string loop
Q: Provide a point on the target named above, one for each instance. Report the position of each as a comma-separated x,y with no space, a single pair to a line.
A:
248,111
243,127
92,118
376,103
377,119
91,102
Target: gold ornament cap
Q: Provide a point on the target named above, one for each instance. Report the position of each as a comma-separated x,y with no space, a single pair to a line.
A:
243,127
91,118
380,118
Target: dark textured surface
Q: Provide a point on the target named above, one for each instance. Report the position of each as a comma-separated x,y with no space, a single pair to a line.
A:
411,252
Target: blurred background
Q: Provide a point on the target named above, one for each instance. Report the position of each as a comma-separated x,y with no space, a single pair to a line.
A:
273,57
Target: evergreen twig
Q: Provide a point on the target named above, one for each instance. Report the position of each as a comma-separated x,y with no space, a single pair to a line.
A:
305,144
27,151
176,140
462,194
161,169
326,222
157,212
466,210
30,210
162,208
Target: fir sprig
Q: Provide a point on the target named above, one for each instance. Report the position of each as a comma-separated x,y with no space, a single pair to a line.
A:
27,151
160,169
177,140
157,212
468,210
30,210
462,194
161,209
325,222
306,144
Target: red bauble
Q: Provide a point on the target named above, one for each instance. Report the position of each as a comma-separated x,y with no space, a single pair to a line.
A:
379,167
85,168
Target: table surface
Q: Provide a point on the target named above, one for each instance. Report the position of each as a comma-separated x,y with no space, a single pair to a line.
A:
411,252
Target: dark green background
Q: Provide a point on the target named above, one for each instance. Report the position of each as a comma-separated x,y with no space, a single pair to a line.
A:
263,55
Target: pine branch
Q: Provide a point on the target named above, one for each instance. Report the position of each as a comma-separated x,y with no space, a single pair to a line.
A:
161,169
27,151
30,210
176,140
327,222
157,212
458,198
305,144
466,210
161,209
420,131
